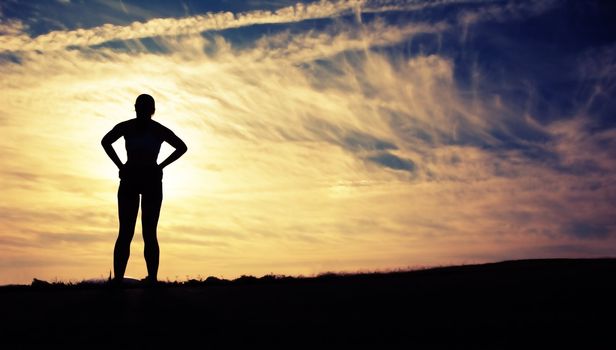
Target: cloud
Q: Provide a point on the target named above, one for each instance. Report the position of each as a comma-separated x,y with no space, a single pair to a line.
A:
503,12
14,38
55,40
12,28
12,34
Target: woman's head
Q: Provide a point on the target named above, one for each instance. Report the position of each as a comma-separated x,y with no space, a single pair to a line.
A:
144,106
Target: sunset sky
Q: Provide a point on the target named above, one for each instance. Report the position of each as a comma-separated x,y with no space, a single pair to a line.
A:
322,136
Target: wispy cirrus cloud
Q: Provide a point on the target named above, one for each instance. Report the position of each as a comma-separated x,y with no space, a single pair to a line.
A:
16,39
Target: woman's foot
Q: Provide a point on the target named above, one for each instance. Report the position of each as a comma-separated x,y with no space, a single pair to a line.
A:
149,281
116,282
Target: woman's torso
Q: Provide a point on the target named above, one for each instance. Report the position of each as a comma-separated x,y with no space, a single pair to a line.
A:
143,139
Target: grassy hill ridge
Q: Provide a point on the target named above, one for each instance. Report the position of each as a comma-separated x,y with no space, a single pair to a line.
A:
499,305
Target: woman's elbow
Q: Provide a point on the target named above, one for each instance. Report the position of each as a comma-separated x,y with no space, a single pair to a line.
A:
106,142
181,147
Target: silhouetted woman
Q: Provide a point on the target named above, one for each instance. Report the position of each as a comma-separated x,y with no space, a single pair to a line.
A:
141,175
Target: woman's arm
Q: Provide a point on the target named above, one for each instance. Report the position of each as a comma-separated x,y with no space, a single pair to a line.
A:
111,137
175,142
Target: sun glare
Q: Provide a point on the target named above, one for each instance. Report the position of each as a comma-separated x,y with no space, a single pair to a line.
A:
186,179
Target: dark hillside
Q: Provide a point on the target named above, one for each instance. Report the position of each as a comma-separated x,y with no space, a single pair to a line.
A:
513,304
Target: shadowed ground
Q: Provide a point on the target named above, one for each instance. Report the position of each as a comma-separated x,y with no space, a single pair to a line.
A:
513,304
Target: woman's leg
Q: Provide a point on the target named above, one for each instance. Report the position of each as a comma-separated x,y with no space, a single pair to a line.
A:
128,206
151,201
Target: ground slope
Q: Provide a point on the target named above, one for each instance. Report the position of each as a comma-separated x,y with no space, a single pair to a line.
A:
513,304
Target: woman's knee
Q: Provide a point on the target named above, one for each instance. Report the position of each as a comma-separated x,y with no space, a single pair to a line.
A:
125,236
149,238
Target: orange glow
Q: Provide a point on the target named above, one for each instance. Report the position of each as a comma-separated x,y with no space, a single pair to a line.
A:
291,168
